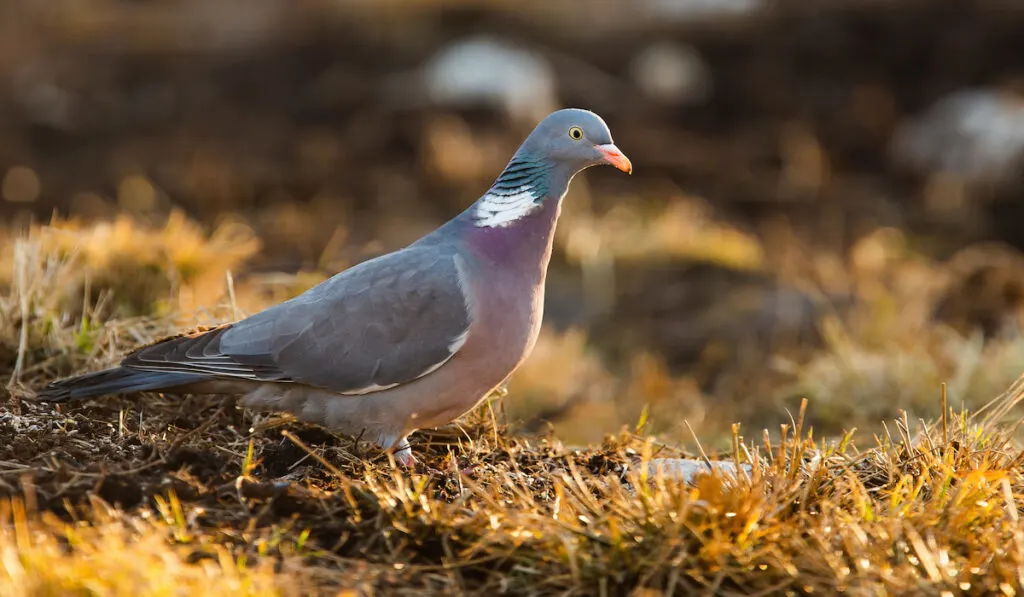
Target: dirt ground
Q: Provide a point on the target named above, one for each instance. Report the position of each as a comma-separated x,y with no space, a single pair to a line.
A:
296,487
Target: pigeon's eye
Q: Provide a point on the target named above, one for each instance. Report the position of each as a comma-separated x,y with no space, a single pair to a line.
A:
576,133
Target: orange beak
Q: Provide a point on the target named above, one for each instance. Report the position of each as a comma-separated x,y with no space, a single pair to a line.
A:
616,158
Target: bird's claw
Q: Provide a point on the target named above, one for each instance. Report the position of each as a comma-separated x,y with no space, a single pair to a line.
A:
405,459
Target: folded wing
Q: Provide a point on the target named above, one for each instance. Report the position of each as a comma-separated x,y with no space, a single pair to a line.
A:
380,324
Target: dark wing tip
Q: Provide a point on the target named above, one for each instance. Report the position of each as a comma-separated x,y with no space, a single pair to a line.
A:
60,390
53,392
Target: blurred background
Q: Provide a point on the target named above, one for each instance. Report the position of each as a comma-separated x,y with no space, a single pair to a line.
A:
826,199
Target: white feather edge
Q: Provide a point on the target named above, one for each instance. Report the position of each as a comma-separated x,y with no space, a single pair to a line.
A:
500,211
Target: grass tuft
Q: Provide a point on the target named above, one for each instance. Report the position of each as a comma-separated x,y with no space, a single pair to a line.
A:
116,555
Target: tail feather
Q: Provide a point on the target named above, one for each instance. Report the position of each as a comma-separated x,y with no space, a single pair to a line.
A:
119,380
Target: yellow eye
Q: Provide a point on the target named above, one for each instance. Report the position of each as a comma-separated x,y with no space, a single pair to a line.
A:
576,133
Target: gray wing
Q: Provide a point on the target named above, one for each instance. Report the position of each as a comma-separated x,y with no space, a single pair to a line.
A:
377,325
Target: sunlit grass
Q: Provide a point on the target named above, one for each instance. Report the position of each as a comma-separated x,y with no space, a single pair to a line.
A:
686,228
928,508
111,554
912,506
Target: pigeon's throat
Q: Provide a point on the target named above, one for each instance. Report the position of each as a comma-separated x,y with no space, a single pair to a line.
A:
524,245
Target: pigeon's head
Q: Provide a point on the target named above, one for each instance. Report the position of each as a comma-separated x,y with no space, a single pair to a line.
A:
575,139
564,143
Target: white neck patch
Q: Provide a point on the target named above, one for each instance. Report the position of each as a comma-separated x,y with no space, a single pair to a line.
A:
502,210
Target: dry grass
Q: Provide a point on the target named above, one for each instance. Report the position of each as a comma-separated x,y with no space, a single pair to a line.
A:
114,554
141,270
74,296
688,227
891,350
161,496
916,513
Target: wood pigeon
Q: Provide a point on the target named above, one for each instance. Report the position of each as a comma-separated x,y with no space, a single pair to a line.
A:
407,340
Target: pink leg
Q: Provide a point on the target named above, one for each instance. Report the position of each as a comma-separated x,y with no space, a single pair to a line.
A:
402,453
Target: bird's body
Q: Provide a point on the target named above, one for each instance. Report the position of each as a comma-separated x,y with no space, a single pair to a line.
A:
408,340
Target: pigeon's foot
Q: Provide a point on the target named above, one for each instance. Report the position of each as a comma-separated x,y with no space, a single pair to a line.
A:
402,453
405,459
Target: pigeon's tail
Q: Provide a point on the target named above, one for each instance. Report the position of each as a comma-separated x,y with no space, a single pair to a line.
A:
119,380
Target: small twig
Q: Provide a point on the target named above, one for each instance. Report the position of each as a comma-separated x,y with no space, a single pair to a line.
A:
203,427
783,435
229,451
302,445
230,280
736,451
945,432
494,421
703,454
453,565
798,440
